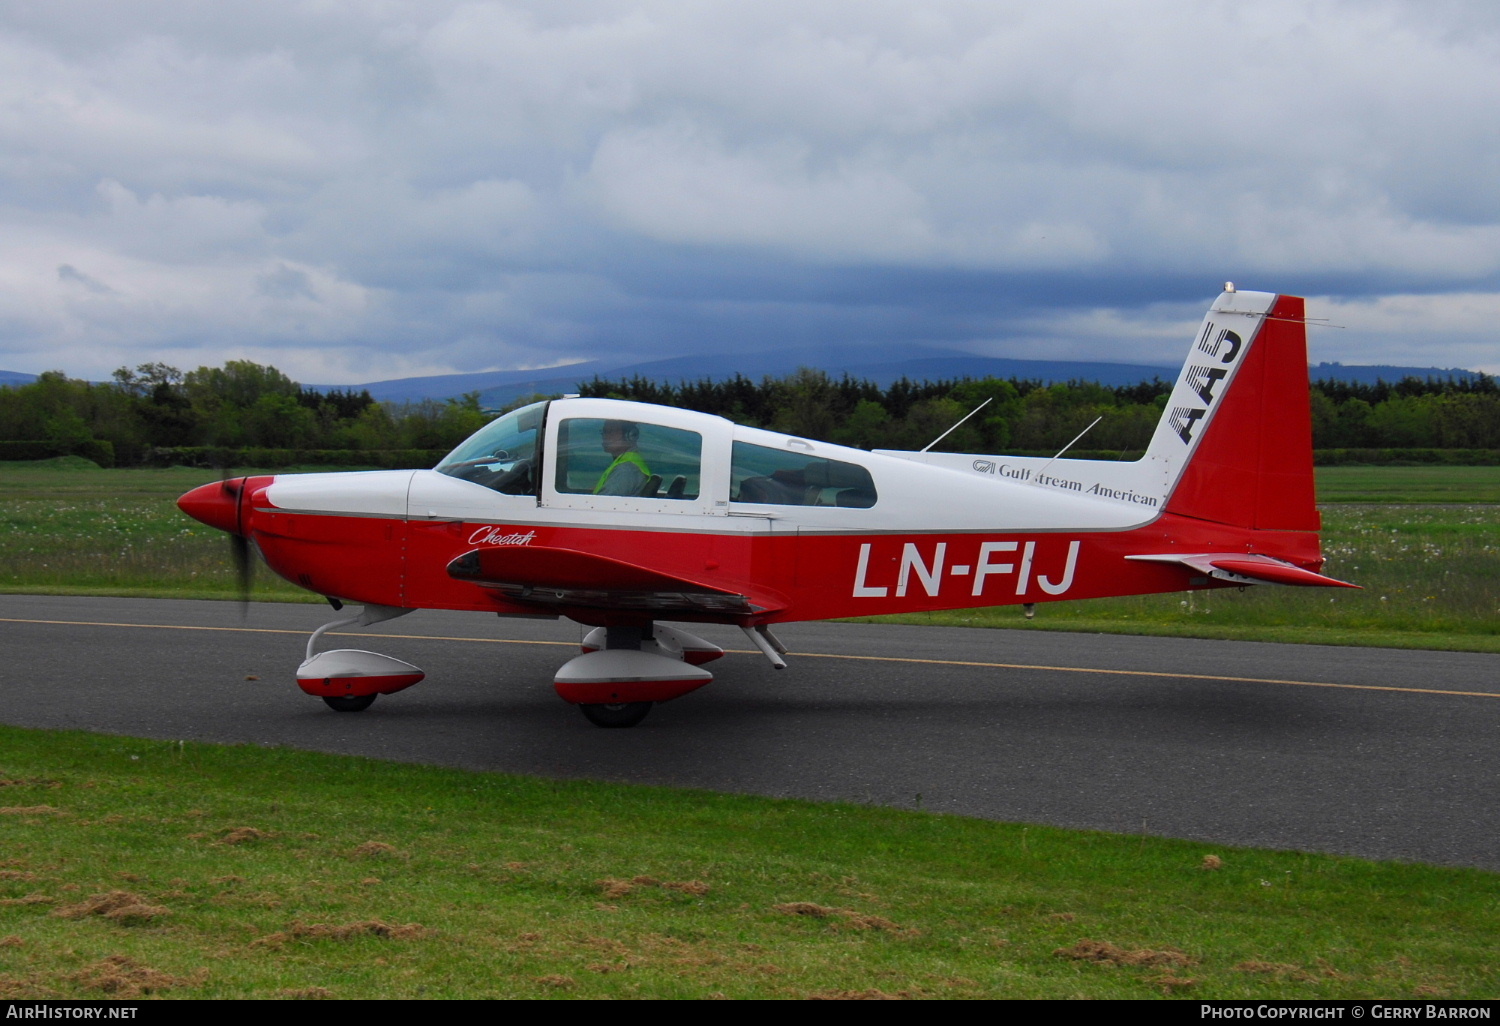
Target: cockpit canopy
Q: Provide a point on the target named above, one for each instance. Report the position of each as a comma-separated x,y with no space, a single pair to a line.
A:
502,454
604,450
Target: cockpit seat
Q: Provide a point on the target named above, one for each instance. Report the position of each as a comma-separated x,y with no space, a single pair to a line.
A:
768,490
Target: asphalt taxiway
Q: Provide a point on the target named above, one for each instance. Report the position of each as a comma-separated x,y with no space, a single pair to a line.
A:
1371,752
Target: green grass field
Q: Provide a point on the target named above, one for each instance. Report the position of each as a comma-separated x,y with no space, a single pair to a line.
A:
147,868
69,528
133,868
1406,485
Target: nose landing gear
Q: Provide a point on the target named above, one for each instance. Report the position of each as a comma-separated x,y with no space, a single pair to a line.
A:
350,679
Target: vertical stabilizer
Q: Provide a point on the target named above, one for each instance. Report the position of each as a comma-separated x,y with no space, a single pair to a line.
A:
1249,443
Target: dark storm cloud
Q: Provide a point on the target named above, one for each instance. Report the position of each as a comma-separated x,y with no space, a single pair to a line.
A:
356,191
69,273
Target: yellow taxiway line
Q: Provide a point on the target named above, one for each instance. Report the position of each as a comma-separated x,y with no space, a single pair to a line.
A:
803,655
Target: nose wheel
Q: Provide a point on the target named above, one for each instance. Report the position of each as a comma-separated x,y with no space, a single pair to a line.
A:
349,703
349,679
624,714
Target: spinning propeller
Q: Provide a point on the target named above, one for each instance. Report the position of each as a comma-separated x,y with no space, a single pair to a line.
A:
222,505
239,544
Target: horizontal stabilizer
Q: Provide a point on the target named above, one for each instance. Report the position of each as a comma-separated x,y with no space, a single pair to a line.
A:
1242,568
568,577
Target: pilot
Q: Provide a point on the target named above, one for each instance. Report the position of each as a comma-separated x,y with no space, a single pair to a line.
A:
628,474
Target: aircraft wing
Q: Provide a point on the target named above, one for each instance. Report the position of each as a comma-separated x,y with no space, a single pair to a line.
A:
1244,568
553,576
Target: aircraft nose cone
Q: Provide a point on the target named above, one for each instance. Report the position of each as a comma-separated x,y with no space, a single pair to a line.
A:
215,504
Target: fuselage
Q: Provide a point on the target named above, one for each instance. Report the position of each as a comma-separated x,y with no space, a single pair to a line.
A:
805,529
622,515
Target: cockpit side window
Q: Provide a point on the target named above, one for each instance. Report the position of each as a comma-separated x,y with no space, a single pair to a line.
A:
596,456
760,474
503,454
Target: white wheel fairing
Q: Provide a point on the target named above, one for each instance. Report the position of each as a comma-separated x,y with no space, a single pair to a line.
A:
353,672
619,676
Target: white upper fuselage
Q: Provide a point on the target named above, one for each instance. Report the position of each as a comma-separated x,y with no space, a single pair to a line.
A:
912,497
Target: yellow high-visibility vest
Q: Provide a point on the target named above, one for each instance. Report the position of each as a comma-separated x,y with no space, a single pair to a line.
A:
624,457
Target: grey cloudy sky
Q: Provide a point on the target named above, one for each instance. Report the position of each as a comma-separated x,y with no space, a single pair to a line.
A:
362,190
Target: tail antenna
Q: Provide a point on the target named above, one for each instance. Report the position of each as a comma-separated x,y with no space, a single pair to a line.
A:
960,424
1072,443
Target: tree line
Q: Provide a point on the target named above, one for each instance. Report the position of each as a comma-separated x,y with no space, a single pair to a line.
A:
241,405
155,408
1031,416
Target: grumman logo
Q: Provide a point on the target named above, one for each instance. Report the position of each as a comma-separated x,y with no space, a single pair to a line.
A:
934,570
496,536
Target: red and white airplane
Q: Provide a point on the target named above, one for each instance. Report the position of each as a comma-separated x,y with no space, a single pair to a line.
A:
620,515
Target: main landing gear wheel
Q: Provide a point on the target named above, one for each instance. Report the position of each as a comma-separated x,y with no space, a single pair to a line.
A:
349,703
627,714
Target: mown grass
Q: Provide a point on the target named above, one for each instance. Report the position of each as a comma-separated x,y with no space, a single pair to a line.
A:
68,527
135,867
1409,484
1428,556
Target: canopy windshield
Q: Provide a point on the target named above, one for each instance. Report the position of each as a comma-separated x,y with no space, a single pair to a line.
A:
502,454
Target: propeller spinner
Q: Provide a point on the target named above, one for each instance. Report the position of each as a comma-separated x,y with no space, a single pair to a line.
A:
221,505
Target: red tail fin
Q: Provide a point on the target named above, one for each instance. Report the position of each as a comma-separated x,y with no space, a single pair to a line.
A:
1253,467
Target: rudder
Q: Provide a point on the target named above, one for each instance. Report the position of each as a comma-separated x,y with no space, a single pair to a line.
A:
1253,467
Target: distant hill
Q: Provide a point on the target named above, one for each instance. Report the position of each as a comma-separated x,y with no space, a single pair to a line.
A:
886,365
451,386
1370,374
882,365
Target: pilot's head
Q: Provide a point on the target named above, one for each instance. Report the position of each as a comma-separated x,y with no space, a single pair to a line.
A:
620,436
